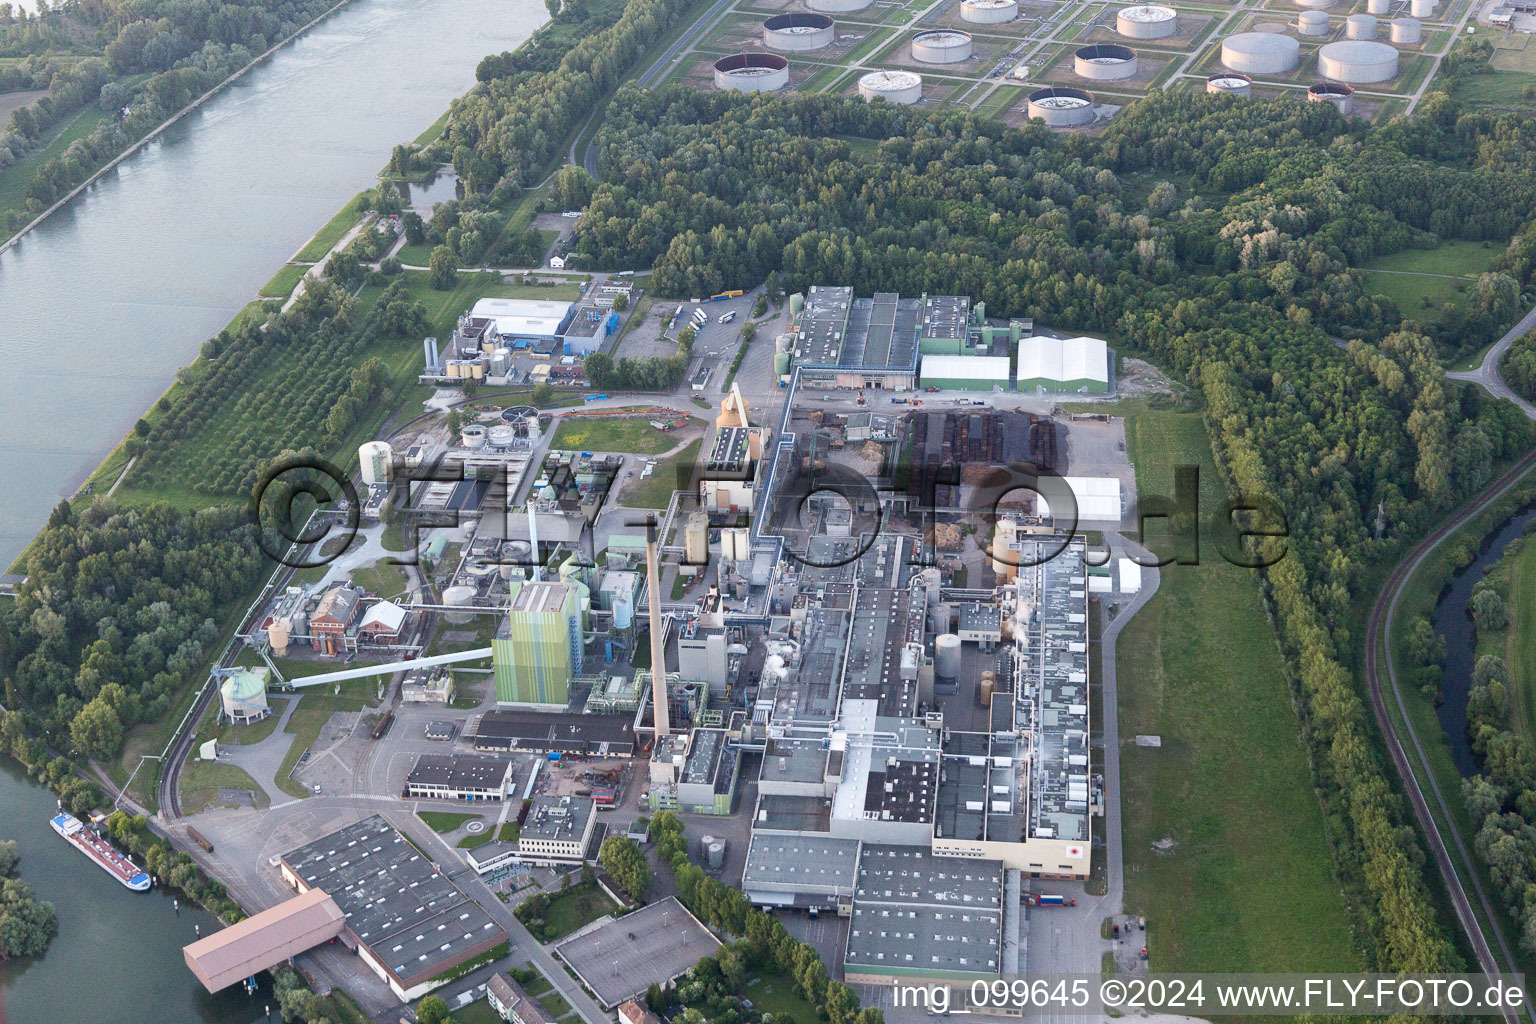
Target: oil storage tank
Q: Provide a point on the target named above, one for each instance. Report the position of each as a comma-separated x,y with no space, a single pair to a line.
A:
1260,53
946,659
798,31
1061,107
988,12
1421,8
1312,23
1407,30
1357,62
751,72
1360,26
1230,84
1104,62
944,47
1337,93
1147,21
1378,7
837,6
903,87
459,596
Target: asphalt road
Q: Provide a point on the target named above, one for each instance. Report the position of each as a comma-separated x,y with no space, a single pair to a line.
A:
1488,376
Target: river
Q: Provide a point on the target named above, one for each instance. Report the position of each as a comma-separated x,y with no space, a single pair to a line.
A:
109,297
1452,622
98,309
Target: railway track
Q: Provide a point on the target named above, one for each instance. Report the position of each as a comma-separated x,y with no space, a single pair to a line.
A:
1378,633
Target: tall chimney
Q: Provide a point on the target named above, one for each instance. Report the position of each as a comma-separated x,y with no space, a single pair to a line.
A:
658,646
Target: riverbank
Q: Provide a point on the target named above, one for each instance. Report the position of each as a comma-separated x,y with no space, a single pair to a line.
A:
256,61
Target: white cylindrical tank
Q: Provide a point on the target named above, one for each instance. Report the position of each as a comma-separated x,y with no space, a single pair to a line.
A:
1421,8
798,31
1360,26
1147,21
1407,30
1262,53
946,658
1378,7
751,72
243,696
696,538
1104,62
1314,3
944,47
277,636
1341,96
459,597
1061,107
905,87
1312,23
473,435
500,435
1357,62
376,462
1229,84
837,6
988,12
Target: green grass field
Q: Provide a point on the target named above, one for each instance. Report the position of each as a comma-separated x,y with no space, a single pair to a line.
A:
384,578
775,994
1520,651
15,179
200,782
655,491
574,907
1454,259
612,435
326,238
445,821
1248,883
283,282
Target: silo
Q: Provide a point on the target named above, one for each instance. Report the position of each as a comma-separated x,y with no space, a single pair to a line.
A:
1147,21
1229,84
501,361
988,687
1407,31
780,363
376,462
1312,23
1315,4
243,696
751,72
1360,26
1378,7
1340,95
1357,61
837,6
988,12
1061,106
459,597
1261,53
623,609
946,659
716,854
473,435
944,47
1104,62
1421,8
798,31
904,87
277,636
696,538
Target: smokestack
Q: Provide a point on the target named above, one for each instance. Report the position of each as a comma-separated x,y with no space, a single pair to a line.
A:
658,647
533,541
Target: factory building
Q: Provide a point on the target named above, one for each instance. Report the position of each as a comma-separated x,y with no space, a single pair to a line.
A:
729,481
558,830
539,647
522,323
476,779
1063,364
966,373
407,921
695,772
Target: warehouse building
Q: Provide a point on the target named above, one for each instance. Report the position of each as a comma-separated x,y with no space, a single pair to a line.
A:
524,321
408,922
965,373
451,777
1064,364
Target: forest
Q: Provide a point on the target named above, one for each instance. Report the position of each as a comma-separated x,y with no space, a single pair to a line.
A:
149,58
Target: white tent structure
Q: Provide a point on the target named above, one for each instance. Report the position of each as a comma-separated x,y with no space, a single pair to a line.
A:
1098,498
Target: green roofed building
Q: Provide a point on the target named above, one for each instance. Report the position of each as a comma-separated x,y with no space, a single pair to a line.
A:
540,648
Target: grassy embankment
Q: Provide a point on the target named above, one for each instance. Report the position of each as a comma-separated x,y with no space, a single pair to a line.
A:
1248,881
612,435
15,178
655,491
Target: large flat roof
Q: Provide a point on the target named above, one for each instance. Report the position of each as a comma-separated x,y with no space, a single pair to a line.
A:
913,911
620,959
573,733
264,940
801,863
1063,359
459,771
524,317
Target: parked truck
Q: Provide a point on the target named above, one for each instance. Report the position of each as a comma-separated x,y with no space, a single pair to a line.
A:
1045,899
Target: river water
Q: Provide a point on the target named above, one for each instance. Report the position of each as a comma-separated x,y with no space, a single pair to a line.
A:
1452,622
102,304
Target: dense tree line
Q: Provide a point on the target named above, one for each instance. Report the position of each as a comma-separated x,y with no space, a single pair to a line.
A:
118,614
711,990
184,47
625,862
171,867
27,924
1241,279
217,434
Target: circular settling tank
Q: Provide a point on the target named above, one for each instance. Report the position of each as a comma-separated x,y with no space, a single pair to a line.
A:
751,72
903,87
1147,21
941,47
1061,107
1104,62
798,31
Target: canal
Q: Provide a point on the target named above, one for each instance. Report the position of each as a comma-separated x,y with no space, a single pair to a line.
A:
1452,622
98,309
108,298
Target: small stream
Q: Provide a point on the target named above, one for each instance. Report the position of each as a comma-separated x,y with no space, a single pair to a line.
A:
1452,622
